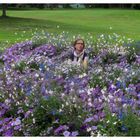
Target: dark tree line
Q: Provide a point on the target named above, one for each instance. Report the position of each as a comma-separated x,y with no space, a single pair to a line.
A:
4,7
121,6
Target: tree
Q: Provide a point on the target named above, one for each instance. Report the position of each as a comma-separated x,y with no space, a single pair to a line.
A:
4,7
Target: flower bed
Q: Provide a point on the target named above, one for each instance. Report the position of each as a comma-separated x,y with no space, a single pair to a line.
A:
42,93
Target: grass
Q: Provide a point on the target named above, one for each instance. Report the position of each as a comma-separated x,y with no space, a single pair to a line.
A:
21,24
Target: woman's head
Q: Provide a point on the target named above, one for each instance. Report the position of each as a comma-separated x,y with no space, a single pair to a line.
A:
79,45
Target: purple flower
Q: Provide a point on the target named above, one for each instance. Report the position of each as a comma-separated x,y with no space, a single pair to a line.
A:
88,119
119,93
17,121
17,127
112,88
101,114
138,102
83,96
8,133
66,133
138,95
118,84
100,107
60,81
60,129
84,127
94,128
95,118
7,119
28,89
27,114
96,92
2,112
138,88
74,133
1,122
1,129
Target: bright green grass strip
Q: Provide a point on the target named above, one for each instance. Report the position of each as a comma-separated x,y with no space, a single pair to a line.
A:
95,21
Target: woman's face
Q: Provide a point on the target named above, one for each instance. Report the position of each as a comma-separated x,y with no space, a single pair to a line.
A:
79,46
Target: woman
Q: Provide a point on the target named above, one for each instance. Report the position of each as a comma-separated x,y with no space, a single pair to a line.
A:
79,54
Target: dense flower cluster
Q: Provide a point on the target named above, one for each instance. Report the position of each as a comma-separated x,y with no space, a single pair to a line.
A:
42,93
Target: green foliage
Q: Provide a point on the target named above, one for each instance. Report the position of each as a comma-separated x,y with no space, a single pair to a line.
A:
3,45
128,125
97,80
73,112
20,66
1,62
45,114
115,74
57,88
110,58
132,123
38,40
131,56
34,65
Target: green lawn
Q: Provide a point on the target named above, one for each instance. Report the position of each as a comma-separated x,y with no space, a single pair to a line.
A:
95,21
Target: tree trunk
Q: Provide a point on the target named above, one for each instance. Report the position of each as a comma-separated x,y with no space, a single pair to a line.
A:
4,7
132,6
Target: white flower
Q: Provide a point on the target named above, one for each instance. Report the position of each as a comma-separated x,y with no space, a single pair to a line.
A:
7,101
92,134
62,105
98,135
113,86
133,73
100,77
50,91
103,91
89,99
88,129
33,120
81,91
90,104
89,92
63,94
100,100
115,123
113,114
108,121
119,99
36,75
125,105
67,103
79,116
17,103
72,83
110,97
83,75
44,53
